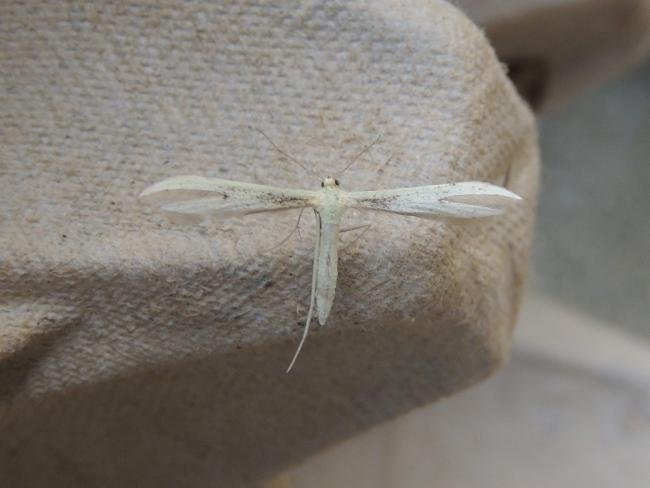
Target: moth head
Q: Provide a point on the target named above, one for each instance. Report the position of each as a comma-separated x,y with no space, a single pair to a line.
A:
329,182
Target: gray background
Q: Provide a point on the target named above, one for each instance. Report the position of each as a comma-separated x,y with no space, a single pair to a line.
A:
593,238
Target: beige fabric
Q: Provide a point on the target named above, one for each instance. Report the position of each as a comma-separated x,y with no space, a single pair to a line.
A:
557,48
572,408
132,349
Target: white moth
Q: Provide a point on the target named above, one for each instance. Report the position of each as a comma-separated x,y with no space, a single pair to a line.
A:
196,195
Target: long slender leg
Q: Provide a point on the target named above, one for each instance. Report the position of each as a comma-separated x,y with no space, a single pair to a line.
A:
506,178
348,229
366,227
313,291
293,231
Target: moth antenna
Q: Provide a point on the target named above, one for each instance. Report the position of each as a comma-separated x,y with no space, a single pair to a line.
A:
356,158
365,227
387,162
284,153
313,295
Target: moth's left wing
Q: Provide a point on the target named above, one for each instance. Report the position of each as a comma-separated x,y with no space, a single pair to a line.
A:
466,200
197,195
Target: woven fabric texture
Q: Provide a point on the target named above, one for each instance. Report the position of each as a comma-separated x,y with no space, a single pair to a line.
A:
137,351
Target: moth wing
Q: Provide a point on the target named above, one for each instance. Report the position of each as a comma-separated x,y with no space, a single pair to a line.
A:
325,272
312,300
466,200
327,269
200,196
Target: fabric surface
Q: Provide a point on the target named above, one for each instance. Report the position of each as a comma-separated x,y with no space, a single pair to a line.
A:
572,408
137,351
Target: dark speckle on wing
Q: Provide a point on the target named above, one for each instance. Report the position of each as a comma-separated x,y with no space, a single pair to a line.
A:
383,202
283,199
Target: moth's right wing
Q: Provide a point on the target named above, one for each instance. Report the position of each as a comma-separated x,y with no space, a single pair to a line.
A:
197,195
466,200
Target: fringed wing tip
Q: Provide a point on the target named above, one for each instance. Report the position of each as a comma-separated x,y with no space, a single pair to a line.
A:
144,194
148,191
480,199
505,193
173,183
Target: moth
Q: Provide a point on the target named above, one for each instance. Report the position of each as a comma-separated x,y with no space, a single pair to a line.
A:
197,195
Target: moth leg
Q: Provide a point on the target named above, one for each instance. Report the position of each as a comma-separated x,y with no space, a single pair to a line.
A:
348,229
506,178
365,228
295,229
